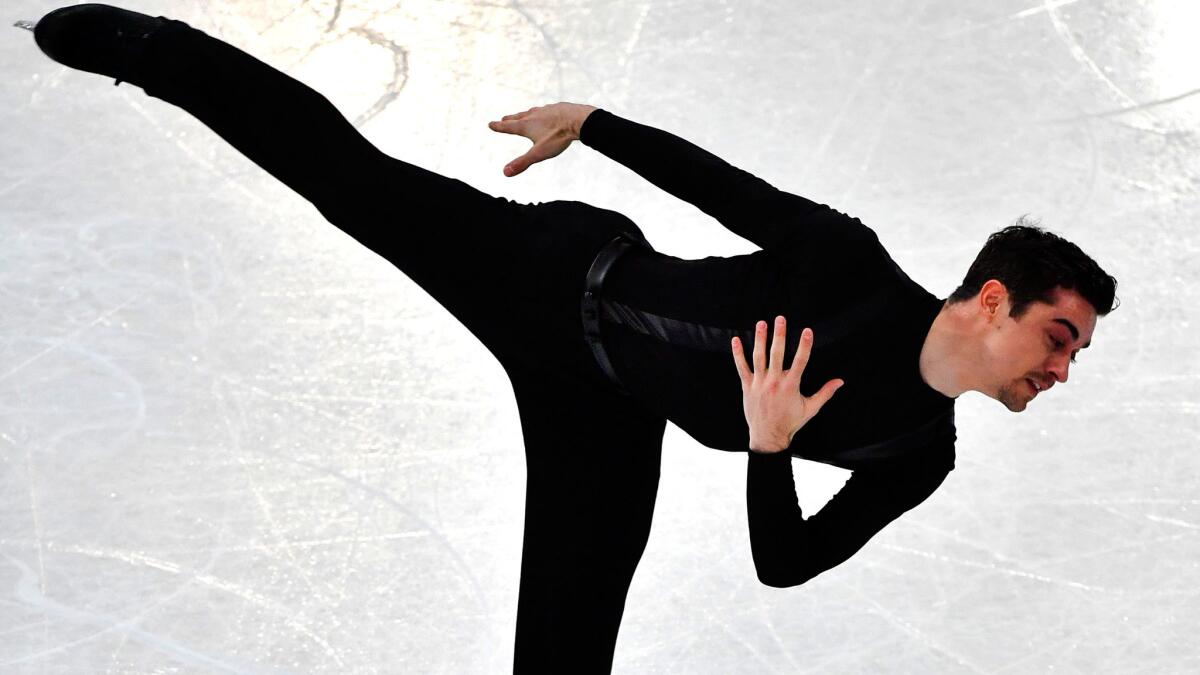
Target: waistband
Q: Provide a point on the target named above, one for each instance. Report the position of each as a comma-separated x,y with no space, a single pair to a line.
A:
590,305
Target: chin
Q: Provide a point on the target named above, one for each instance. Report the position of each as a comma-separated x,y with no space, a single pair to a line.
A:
1012,400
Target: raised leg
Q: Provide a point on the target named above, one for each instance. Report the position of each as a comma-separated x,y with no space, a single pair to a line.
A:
447,236
459,244
501,268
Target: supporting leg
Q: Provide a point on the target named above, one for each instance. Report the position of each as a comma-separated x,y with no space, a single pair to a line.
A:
593,468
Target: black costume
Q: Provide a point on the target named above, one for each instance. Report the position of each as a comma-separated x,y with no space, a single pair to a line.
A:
514,274
667,324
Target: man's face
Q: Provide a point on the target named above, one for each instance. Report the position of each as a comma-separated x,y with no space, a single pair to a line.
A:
1039,346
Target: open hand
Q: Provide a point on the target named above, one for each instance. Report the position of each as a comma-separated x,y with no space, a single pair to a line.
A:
550,127
771,399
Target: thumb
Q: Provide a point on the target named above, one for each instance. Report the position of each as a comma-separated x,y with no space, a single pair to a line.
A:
544,149
523,162
819,399
514,167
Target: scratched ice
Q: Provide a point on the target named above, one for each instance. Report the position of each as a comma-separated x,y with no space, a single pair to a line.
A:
234,440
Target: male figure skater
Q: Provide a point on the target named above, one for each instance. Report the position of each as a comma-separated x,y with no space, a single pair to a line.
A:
605,339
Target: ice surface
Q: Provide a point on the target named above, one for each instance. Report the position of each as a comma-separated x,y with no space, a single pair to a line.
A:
234,440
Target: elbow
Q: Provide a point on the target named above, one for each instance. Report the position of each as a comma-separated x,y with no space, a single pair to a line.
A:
783,578
774,582
779,568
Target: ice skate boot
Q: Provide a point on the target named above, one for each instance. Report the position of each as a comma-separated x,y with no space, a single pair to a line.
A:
98,39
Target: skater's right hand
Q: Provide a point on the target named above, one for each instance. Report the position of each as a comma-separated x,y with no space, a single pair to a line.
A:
550,127
771,399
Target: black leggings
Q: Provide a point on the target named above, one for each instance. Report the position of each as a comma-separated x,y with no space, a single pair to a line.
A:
513,274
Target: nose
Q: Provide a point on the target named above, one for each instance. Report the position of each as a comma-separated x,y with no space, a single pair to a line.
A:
1060,369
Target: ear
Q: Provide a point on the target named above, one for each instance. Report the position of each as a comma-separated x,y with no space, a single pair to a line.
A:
993,299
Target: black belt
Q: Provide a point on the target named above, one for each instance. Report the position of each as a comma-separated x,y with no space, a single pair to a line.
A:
591,303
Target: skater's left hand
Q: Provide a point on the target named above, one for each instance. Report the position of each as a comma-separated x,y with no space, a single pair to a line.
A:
771,399
551,128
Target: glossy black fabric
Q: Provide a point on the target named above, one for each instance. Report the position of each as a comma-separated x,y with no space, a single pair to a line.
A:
513,274
668,324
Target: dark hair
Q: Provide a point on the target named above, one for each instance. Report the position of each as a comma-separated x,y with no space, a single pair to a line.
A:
1031,263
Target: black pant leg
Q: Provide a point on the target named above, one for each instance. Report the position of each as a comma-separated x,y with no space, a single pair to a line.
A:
461,245
593,459
276,121
511,273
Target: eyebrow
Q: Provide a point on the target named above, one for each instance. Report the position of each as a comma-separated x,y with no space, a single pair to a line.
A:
1074,331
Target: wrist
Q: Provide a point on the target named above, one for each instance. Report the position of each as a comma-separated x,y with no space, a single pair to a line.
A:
767,447
770,441
578,118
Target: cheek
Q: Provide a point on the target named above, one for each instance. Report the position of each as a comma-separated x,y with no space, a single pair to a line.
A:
1037,352
1022,352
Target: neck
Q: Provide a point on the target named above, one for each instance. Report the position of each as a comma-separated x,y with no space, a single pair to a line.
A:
950,354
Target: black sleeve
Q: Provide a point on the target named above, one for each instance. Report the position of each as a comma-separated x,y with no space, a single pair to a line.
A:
746,205
789,550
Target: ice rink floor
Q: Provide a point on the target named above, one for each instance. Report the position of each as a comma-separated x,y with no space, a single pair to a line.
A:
234,440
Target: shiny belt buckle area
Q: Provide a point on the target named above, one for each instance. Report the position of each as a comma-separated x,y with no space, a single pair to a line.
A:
590,304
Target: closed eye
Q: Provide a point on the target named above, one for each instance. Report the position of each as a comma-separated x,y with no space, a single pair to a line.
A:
1058,344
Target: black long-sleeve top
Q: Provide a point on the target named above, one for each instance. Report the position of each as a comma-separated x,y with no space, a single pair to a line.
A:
667,323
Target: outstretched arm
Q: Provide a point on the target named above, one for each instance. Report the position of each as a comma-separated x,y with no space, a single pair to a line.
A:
789,550
745,204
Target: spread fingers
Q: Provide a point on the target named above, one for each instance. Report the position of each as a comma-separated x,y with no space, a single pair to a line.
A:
777,344
800,361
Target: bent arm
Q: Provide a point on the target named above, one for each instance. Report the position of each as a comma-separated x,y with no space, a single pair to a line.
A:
745,204
789,550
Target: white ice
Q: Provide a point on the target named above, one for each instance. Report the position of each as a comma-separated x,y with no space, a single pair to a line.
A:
234,440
